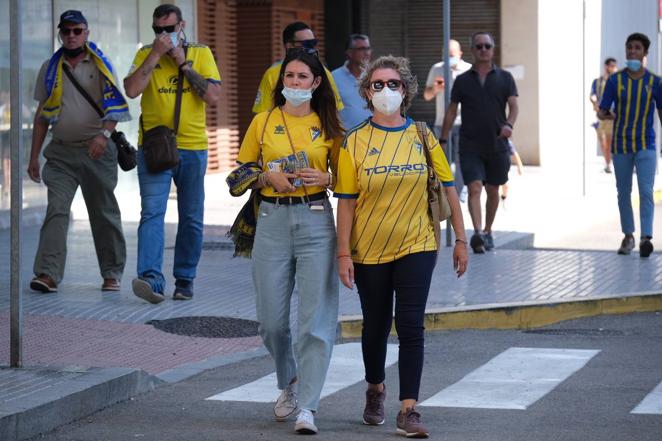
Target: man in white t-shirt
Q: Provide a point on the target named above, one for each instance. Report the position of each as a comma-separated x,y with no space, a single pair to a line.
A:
434,88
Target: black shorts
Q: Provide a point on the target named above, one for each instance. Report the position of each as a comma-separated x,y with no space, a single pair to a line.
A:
488,167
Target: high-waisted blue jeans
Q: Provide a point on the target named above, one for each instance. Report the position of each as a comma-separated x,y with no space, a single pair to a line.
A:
295,243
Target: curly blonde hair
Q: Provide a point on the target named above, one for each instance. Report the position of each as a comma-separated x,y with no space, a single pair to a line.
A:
401,66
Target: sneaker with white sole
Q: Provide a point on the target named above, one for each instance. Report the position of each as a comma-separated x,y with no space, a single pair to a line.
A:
305,424
286,404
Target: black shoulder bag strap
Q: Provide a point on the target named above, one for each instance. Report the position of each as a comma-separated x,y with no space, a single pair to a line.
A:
178,100
82,91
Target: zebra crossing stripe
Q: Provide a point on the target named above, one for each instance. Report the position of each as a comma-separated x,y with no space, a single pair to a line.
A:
514,379
652,403
346,369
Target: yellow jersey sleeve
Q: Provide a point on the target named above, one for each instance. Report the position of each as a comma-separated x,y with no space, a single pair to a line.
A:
139,59
264,98
207,67
339,103
250,146
439,161
347,179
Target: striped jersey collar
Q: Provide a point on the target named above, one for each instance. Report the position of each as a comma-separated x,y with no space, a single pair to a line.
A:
407,123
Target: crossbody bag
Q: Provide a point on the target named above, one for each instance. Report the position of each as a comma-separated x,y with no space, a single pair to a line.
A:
126,153
159,144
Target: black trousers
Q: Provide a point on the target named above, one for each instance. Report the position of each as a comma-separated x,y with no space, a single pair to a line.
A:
409,277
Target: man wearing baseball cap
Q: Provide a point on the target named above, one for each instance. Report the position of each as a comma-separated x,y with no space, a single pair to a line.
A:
78,154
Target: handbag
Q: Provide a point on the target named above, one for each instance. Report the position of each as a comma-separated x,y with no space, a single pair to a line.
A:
439,207
159,144
126,153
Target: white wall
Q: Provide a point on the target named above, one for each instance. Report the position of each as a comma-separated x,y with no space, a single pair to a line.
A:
562,94
519,47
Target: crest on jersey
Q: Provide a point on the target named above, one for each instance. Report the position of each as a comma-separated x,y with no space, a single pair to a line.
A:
315,133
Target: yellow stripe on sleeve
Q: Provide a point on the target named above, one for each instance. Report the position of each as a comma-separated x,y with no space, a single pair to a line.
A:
619,107
648,103
627,114
640,91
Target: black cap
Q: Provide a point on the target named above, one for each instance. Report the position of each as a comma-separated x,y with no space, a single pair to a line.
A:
71,16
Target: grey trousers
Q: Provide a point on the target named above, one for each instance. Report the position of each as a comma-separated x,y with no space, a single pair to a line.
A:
66,168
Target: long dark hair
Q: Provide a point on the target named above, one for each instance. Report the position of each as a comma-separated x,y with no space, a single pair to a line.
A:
324,100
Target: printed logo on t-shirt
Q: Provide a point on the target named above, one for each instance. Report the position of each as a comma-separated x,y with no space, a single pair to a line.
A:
418,146
279,130
315,133
373,151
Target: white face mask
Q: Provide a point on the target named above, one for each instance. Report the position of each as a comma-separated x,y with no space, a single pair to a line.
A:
387,101
297,97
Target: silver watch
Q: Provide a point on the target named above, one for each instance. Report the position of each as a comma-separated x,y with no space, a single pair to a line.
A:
106,133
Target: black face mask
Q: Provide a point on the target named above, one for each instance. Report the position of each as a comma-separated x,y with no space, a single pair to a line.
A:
72,53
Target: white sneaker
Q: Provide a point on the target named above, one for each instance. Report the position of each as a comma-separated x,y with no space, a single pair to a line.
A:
305,424
286,404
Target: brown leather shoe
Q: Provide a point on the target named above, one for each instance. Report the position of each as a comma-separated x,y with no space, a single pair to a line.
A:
110,285
43,283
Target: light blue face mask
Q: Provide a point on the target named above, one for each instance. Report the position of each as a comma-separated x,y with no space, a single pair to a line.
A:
633,65
297,97
174,36
452,61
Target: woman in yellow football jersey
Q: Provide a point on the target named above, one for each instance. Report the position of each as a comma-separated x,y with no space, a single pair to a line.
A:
386,239
295,144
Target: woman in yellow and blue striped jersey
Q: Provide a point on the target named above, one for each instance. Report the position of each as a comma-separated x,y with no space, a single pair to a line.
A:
634,92
386,240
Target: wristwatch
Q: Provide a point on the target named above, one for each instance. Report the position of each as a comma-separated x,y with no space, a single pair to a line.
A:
106,133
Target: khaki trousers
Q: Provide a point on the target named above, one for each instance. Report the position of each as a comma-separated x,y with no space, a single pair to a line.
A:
68,167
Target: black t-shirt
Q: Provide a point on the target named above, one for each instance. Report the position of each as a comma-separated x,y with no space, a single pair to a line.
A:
483,109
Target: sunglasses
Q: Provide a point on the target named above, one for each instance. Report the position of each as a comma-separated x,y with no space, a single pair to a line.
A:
68,31
160,29
361,49
378,85
293,51
486,46
310,44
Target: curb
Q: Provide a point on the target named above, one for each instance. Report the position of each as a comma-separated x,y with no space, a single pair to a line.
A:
519,315
71,400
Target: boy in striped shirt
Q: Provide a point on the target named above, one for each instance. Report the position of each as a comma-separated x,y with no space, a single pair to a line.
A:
634,93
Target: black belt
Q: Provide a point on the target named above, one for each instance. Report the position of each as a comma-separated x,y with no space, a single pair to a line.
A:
291,200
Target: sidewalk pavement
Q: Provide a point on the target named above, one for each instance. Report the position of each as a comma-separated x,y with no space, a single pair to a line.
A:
81,336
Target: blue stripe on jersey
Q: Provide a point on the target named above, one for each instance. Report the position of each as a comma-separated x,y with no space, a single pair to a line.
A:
632,101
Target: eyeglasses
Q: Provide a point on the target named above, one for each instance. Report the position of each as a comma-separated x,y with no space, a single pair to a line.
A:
485,46
160,29
361,49
68,31
378,85
293,51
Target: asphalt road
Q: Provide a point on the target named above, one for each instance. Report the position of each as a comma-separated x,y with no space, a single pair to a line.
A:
592,403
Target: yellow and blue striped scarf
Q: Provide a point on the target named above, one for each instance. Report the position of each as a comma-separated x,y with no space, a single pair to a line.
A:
114,105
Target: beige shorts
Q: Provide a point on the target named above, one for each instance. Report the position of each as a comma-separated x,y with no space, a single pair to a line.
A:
605,127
